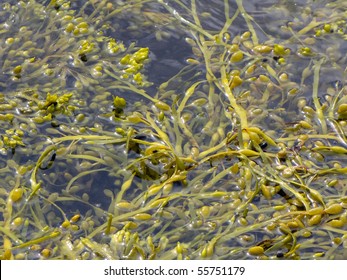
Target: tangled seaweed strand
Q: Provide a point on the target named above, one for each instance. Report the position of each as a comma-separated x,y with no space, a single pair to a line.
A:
240,155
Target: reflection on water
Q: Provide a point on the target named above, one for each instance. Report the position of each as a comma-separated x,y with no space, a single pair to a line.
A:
173,129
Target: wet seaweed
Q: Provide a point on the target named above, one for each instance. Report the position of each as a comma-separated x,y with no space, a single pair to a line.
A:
240,155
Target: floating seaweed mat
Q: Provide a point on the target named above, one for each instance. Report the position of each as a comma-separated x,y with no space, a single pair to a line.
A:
239,155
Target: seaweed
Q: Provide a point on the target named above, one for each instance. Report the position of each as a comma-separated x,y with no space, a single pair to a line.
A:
239,155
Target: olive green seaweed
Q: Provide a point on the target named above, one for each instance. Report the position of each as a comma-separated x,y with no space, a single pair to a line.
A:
238,155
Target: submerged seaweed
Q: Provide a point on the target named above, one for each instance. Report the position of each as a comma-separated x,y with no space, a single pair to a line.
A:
239,155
